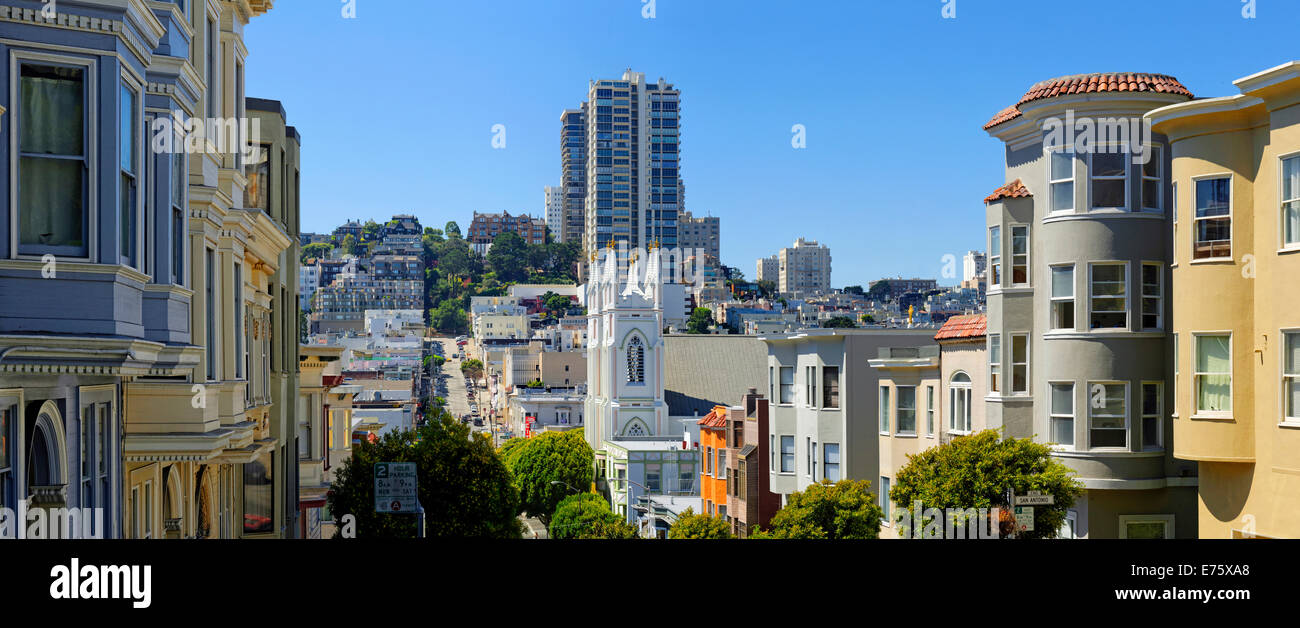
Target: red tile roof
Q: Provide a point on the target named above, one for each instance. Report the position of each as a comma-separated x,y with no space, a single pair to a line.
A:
715,419
1015,189
1089,84
971,326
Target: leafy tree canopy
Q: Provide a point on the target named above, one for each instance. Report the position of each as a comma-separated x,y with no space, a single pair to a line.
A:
563,457
587,516
844,510
690,525
316,250
699,321
509,257
975,471
464,487
451,229
838,322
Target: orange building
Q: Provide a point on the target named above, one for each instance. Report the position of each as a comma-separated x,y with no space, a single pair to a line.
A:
713,446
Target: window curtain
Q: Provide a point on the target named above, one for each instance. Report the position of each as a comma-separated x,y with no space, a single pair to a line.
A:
1214,362
51,120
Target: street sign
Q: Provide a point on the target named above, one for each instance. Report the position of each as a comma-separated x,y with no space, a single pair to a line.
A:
1034,500
1024,518
395,488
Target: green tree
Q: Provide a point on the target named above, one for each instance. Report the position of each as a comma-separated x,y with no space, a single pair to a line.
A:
315,250
545,460
975,472
449,317
370,231
699,321
868,319
556,304
451,229
350,245
699,526
587,516
879,290
509,257
464,487
472,368
838,322
844,510
854,290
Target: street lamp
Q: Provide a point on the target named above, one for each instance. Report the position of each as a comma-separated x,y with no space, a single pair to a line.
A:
650,508
558,483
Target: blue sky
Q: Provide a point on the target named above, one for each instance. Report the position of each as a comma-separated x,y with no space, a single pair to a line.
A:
396,107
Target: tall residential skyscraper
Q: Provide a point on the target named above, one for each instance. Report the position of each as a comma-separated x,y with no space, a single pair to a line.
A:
554,196
633,153
769,269
573,174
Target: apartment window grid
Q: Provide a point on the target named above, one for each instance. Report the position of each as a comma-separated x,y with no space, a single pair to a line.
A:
810,386
787,454
787,385
1107,415
1061,418
129,180
831,461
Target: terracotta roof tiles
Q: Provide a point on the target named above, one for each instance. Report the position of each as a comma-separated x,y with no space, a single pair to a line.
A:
1015,189
957,327
1092,83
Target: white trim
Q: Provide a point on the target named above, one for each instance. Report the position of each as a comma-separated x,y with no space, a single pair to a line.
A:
1125,177
1128,413
1028,337
994,261
1157,156
1173,212
1028,255
1128,294
1073,416
1283,245
1052,299
1287,421
898,398
1073,181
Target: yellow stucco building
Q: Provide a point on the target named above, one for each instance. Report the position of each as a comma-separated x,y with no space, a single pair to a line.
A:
1236,301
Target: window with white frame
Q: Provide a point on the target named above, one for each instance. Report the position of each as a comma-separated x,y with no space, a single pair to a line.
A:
1020,255
1108,303
1107,414
810,386
128,192
1152,402
1061,180
995,363
1213,376
722,464
787,385
708,461
1212,224
1061,419
1291,201
1108,173
1063,297
929,411
787,454
53,159
995,257
808,455
906,411
884,409
1291,376
1019,363
1152,296
884,498
959,403
1177,369
1152,191
831,387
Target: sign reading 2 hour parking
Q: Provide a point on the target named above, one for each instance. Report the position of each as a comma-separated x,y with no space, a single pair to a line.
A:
395,487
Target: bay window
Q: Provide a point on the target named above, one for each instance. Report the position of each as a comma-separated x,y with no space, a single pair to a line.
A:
1019,363
1152,402
1152,193
830,387
53,160
1212,377
1212,236
787,385
128,191
787,454
884,409
831,461
1020,255
995,256
959,403
995,363
1109,297
929,411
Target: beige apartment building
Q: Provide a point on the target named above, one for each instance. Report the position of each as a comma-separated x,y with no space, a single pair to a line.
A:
1236,301
805,269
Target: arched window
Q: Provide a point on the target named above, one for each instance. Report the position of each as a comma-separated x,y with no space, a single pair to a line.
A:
636,430
636,361
959,408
